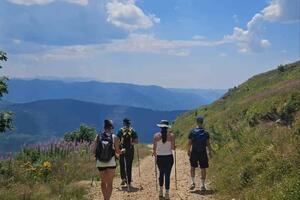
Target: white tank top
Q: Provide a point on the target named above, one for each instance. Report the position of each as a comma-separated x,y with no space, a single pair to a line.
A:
164,149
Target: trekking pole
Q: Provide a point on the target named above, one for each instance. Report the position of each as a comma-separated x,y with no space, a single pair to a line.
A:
175,168
155,162
128,189
92,181
138,157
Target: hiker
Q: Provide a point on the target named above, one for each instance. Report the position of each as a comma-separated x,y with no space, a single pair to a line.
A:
197,152
106,148
163,144
128,137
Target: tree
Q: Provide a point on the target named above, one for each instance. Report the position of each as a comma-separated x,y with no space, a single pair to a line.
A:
5,116
84,133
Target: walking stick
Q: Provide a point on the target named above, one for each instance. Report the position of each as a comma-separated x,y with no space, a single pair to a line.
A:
138,157
155,174
175,166
128,188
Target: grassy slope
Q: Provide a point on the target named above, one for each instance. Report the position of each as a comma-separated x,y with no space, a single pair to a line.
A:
255,129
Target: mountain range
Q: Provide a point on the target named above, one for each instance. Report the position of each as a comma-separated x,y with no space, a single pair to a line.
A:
151,97
47,119
46,109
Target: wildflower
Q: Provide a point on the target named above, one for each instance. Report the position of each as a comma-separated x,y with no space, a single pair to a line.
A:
47,165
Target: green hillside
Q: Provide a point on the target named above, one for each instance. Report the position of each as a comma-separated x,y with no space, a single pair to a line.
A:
255,130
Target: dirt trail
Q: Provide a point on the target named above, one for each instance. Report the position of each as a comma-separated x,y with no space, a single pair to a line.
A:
147,191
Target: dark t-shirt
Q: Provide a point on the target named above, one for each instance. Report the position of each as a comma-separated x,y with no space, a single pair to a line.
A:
126,137
199,137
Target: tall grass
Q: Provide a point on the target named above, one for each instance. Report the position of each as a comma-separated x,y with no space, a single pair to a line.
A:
47,171
255,131
52,170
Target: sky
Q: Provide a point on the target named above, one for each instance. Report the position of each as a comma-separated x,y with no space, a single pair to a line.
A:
171,43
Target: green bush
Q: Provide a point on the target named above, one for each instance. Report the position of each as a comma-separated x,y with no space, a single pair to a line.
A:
84,133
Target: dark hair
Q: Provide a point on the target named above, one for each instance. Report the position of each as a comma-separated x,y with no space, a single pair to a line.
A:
108,124
164,132
126,121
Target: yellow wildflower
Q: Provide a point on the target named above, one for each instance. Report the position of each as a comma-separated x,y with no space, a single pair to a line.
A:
47,165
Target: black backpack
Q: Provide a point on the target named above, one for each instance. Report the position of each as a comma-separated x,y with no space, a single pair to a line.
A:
126,138
199,139
104,149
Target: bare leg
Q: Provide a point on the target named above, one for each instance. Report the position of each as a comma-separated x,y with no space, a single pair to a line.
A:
110,178
203,177
104,184
203,174
193,172
192,178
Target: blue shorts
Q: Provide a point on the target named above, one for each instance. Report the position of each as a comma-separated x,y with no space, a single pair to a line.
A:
199,159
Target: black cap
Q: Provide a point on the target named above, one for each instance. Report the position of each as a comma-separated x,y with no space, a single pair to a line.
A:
126,121
200,119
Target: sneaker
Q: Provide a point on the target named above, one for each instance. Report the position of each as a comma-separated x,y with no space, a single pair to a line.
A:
167,197
160,194
123,183
203,188
192,186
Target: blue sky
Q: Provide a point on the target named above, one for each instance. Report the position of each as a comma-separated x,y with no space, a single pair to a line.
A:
172,43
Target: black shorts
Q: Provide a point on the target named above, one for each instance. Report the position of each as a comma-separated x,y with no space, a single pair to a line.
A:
100,169
199,159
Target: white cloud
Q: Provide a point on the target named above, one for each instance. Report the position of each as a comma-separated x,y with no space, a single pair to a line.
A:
148,43
282,10
16,41
125,14
265,43
31,2
249,40
80,2
135,43
44,2
198,37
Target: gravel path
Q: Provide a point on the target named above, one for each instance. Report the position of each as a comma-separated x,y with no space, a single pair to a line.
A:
144,187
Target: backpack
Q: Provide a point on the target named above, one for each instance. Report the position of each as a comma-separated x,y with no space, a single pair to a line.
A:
104,149
199,139
126,138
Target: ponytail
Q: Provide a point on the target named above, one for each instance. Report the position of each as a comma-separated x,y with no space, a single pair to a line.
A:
164,132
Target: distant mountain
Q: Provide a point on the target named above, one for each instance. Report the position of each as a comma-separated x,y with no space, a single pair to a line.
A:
209,95
46,119
152,97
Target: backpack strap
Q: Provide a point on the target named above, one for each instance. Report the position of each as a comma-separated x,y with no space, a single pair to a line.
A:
113,141
129,131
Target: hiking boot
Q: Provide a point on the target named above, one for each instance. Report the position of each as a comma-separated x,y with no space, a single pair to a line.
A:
203,188
192,186
123,183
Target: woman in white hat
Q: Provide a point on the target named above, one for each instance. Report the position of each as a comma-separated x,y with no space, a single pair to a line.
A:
163,144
